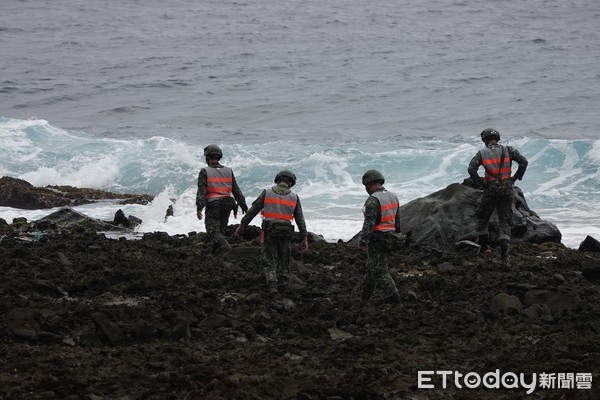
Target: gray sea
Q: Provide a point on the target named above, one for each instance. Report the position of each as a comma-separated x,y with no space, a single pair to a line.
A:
123,95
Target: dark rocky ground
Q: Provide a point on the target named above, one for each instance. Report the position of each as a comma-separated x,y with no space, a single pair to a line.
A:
21,194
86,317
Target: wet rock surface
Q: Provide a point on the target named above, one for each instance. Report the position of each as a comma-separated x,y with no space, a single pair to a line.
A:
18,193
87,317
446,219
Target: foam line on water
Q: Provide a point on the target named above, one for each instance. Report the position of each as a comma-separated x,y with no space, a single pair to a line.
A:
561,173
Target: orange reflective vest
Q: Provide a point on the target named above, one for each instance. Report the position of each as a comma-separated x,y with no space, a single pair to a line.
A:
219,182
389,204
493,165
279,206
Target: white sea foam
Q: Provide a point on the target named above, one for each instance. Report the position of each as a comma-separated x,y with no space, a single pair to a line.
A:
575,222
562,174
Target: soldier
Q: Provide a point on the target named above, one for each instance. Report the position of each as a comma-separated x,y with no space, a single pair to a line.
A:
497,187
279,206
216,183
382,218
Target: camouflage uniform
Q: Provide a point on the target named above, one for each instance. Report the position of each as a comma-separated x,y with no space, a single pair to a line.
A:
378,249
217,213
276,248
495,198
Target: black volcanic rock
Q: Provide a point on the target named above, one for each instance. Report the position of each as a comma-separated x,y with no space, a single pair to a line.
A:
443,218
590,244
18,193
67,218
86,316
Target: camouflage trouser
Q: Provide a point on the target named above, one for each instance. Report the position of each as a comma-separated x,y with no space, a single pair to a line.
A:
276,259
489,202
377,271
216,220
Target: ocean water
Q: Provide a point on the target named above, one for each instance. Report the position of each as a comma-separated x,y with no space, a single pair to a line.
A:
124,95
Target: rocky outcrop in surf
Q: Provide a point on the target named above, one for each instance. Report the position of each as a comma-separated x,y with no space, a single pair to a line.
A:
446,217
18,193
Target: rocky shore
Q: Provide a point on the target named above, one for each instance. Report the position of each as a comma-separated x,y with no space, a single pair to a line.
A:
21,194
83,316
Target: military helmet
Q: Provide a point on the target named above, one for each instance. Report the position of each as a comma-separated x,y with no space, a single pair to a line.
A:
287,174
213,150
490,133
371,176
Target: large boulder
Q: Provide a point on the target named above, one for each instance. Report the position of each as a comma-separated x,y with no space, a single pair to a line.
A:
443,218
67,218
590,244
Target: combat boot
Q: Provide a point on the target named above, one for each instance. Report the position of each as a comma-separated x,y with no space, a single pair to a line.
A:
272,285
484,244
222,247
364,303
365,298
360,311
394,299
504,245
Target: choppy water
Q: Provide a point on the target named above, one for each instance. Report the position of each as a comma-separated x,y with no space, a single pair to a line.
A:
123,96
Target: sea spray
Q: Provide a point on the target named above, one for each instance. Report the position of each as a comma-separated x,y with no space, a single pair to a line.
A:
562,183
